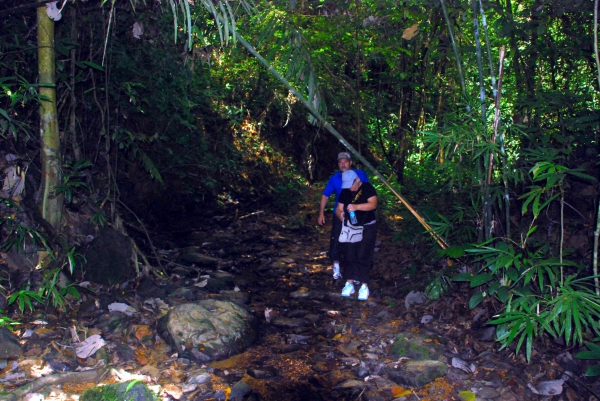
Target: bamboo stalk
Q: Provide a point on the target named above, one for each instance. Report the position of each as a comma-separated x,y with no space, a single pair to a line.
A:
458,63
487,206
441,242
500,138
597,232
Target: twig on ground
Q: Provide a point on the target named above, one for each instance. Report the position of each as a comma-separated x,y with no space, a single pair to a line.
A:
71,377
251,214
145,260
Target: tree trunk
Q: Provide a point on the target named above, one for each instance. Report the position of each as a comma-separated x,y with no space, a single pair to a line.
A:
51,203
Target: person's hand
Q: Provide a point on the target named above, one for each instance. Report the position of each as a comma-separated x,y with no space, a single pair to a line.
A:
321,219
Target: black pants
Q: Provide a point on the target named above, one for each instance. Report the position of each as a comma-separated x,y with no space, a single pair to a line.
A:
357,258
334,243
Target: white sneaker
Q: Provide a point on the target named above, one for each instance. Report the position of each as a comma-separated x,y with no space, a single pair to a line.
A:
363,293
336,272
348,290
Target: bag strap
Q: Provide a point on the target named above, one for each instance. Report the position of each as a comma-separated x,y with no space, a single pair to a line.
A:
357,195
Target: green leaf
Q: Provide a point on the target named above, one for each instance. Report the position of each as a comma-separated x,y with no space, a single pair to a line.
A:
463,277
82,64
502,293
481,279
476,299
467,395
512,274
593,370
131,384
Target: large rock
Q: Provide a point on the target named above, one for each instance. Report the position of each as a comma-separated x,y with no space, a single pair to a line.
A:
208,329
10,348
194,254
416,373
109,258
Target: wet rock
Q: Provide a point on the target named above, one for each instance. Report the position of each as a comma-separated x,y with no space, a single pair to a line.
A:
199,377
238,297
239,391
186,294
149,289
215,285
321,367
193,254
457,375
297,313
289,323
485,333
312,318
59,362
9,345
262,372
349,384
223,276
114,322
296,339
362,371
213,328
486,392
119,391
416,373
124,352
383,389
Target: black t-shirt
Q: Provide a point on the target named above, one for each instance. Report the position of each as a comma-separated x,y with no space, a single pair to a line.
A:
365,192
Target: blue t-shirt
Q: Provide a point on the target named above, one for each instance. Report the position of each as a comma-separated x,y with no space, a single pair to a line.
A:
335,185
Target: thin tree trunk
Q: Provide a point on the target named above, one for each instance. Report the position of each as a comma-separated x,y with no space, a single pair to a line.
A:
51,203
73,106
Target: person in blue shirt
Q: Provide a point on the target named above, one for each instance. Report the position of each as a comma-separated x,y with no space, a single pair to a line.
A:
334,185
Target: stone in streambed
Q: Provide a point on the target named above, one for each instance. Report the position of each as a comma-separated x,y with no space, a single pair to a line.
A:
208,330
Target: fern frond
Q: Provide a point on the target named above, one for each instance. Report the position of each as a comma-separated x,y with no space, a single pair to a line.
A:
148,164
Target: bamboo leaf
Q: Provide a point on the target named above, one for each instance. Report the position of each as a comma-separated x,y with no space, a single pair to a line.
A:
476,300
481,279
593,371
463,277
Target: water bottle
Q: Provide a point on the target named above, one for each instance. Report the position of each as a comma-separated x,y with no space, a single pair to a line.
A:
353,218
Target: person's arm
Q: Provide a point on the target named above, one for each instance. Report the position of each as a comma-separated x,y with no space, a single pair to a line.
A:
339,211
364,207
324,200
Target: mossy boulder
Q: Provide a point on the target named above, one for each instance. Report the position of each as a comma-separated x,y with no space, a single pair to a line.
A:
418,346
416,373
130,391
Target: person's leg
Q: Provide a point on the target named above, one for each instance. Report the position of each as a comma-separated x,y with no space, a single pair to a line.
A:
348,256
364,259
334,246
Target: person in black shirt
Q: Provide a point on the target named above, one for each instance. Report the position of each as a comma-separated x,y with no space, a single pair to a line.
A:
357,257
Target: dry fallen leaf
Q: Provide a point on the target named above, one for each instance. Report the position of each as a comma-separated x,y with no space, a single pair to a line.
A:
89,346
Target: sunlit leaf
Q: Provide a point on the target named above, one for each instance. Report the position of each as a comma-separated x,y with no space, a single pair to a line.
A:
410,32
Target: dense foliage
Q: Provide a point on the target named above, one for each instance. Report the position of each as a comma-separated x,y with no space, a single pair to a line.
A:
500,162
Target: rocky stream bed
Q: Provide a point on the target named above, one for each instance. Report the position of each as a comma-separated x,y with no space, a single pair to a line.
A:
309,343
